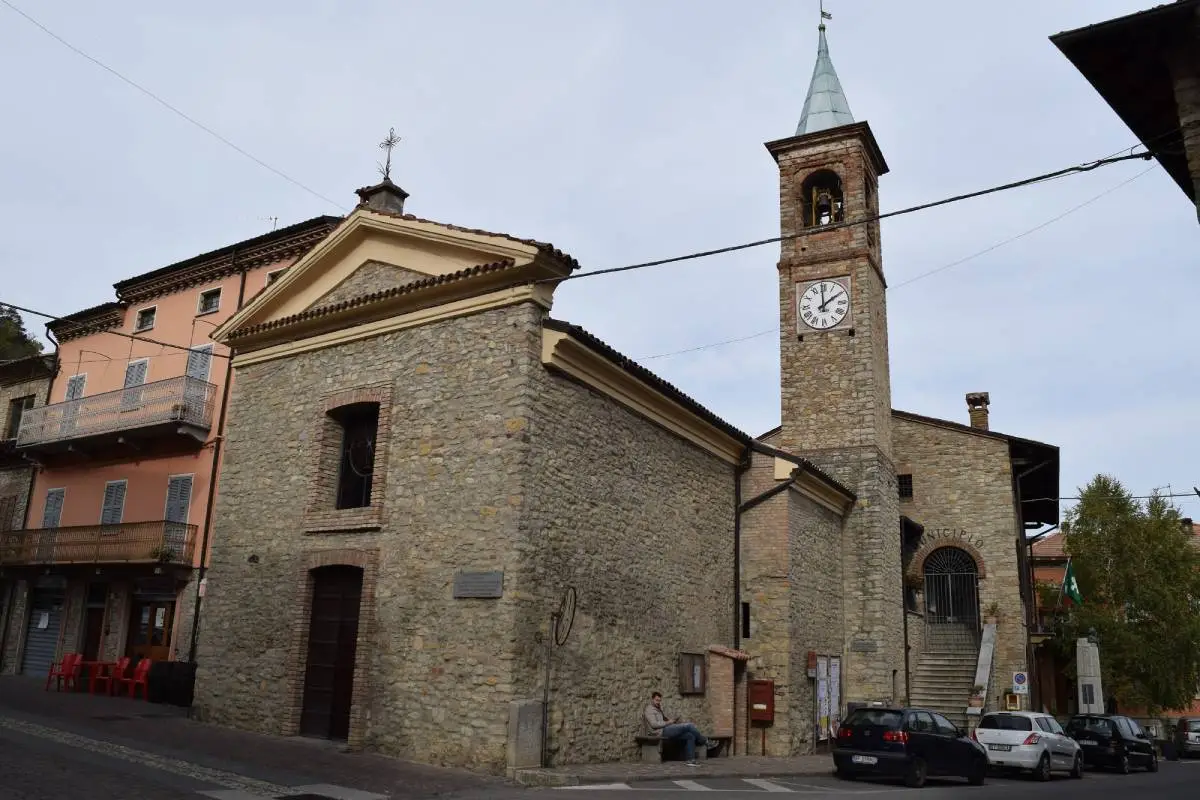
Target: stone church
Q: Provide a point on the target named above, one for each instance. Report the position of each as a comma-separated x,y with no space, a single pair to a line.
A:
440,504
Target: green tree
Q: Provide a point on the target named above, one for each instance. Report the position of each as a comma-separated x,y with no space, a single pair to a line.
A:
15,341
1138,576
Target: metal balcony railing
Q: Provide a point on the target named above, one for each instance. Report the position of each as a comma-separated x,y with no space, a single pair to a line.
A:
128,542
182,400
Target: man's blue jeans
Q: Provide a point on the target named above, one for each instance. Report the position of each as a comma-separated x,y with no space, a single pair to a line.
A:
690,735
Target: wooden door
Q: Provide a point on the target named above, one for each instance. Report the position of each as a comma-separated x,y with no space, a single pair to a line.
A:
93,632
332,642
150,630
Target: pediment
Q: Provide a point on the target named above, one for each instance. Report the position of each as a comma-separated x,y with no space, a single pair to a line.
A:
372,252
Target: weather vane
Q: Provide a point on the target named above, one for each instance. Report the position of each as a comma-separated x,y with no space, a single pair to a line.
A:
387,144
824,14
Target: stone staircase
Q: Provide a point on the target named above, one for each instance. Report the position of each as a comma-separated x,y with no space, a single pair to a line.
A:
945,674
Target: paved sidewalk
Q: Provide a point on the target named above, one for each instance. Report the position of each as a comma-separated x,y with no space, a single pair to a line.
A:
165,730
730,767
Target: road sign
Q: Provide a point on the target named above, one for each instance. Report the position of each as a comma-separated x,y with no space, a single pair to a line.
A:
1020,683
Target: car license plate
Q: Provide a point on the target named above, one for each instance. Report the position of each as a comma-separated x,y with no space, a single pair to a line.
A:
1089,742
1004,747
864,759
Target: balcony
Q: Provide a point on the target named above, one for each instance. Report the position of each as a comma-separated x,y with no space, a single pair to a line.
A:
157,542
177,410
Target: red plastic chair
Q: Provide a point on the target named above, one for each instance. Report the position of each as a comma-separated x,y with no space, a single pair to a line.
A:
139,678
65,673
109,681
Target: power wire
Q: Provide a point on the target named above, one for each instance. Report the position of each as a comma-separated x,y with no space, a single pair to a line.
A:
168,106
1048,176
923,275
79,325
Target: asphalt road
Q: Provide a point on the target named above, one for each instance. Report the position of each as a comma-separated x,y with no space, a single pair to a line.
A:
1173,781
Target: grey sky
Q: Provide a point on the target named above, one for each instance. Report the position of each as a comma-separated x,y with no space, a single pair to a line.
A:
628,130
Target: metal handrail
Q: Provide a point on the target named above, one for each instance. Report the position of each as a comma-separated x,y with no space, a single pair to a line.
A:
185,400
158,541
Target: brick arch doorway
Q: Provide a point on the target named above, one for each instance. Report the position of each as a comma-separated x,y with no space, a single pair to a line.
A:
332,648
951,599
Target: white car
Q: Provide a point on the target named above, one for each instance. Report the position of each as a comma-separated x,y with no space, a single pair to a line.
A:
1028,741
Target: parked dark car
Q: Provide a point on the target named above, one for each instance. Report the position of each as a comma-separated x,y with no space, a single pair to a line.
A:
908,743
1112,741
1187,737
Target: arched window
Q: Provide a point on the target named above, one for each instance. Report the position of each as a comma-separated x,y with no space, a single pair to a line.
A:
822,199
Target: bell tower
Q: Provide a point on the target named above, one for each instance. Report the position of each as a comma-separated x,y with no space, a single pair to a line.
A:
836,391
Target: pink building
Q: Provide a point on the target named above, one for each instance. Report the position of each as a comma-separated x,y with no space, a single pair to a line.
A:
111,559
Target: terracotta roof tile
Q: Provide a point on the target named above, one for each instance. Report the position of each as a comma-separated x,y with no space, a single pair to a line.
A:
1050,547
373,297
545,247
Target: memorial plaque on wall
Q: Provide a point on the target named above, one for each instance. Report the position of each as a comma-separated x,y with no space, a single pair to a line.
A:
487,585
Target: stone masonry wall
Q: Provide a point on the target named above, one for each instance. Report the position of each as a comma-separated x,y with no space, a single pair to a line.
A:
962,494
17,612
438,673
767,587
640,523
15,482
373,276
817,618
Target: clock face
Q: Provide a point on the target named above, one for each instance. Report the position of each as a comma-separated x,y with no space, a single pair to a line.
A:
824,304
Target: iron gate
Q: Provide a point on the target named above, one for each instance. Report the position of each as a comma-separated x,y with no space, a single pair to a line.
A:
951,599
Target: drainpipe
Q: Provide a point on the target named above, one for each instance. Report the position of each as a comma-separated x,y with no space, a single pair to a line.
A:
904,611
738,472
212,480
1027,572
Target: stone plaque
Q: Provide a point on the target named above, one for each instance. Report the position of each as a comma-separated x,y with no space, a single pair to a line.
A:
863,646
479,584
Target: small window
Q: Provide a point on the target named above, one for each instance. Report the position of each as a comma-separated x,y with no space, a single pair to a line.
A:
210,301
905,484
8,513
145,319
692,673
745,620
360,424
274,275
16,410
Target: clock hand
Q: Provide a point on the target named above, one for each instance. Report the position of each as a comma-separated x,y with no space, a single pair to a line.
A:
830,300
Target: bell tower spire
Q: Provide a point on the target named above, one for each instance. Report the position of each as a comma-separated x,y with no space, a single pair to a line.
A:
826,105
835,391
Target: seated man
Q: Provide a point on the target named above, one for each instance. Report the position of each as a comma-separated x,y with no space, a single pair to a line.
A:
675,729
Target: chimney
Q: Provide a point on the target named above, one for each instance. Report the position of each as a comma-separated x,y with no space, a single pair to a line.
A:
977,406
1187,524
385,197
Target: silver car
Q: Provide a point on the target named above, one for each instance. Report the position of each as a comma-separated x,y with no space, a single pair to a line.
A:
1026,740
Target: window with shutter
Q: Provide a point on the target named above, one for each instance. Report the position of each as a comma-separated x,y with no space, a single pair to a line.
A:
114,503
199,362
179,498
52,514
135,376
75,386
16,410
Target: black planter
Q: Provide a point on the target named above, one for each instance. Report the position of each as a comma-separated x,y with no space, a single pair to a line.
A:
182,684
158,681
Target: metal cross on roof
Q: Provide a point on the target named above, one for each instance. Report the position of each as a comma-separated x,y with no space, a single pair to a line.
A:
388,144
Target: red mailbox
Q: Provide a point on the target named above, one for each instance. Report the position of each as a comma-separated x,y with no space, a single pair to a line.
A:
761,694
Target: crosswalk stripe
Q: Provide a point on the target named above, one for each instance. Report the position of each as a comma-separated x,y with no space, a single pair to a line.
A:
766,786
602,786
692,786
